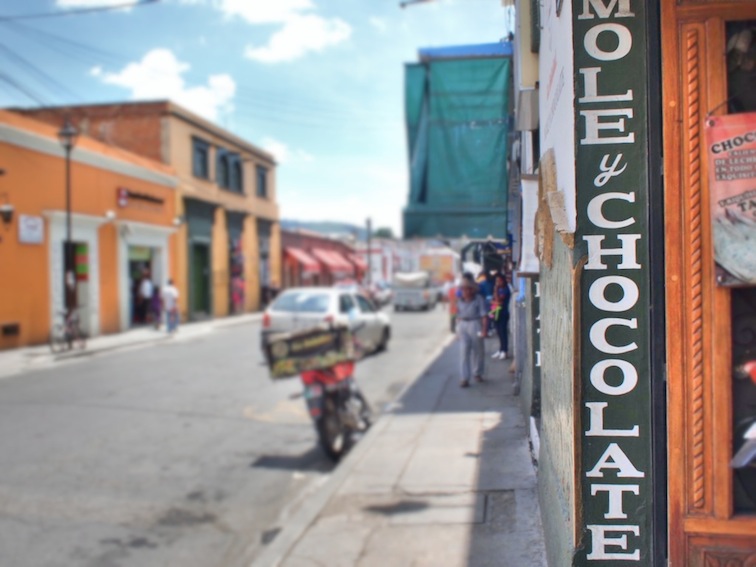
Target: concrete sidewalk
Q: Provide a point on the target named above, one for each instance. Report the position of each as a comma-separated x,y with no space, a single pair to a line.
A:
26,359
445,479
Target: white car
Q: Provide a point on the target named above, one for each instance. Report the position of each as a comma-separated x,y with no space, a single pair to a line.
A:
305,307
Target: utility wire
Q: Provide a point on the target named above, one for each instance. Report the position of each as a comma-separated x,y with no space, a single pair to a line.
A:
28,92
83,48
77,11
45,78
271,100
264,99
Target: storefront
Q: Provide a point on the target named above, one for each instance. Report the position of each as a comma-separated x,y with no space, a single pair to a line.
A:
334,264
236,261
264,234
122,216
143,252
300,268
709,78
199,219
85,236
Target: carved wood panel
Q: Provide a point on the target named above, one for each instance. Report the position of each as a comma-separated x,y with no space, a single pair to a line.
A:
700,411
696,446
724,551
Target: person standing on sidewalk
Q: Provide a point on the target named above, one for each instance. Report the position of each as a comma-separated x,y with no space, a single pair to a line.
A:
472,326
499,313
451,298
170,297
145,296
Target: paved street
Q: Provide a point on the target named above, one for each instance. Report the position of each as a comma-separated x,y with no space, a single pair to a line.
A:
181,453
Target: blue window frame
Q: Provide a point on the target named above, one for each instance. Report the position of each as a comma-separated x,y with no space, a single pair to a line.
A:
200,158
236,174
262,181
222,168
229,174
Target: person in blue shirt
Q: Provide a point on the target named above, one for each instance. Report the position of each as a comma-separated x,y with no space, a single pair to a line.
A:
499,313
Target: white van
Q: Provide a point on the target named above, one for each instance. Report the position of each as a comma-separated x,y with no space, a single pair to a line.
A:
414,291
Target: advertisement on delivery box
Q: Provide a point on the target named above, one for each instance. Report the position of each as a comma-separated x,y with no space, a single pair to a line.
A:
731,141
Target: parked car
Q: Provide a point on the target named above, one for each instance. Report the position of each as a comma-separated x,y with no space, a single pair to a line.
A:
304,307
381,293
352,286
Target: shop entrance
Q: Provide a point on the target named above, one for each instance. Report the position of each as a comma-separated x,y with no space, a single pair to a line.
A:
200,280
143,264
80,300
711,307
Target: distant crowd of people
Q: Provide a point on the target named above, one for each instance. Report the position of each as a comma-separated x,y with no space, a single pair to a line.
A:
150,302
477,307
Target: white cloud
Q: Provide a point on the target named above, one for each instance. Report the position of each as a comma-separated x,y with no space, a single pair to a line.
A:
300,30
264,11
379,24
159,75
71,4
284,154
279,150
299,35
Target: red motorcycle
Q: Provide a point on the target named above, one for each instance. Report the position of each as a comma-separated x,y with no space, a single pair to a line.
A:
339,410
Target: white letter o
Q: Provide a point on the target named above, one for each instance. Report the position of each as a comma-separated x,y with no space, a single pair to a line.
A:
597,293
624,37
629,377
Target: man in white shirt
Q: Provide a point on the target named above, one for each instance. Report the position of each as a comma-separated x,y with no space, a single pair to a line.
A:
170,296
145,296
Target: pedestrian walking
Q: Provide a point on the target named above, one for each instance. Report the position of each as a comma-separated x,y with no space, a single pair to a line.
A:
170,297
485,289
145,296
451,297
156,306
499,313
472,327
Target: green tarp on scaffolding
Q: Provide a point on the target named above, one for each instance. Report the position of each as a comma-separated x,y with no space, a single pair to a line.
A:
457,133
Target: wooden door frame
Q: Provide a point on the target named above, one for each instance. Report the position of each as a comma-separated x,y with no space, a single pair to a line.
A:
702,527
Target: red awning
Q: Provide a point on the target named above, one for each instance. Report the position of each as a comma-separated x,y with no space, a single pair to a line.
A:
359,262
308,263
333,261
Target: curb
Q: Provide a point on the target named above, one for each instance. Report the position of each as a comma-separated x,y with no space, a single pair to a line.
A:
90,351
300,521
95,351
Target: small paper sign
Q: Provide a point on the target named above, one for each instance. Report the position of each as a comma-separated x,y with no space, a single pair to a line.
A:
731,142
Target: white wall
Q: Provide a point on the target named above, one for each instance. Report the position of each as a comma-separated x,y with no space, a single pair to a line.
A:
557,96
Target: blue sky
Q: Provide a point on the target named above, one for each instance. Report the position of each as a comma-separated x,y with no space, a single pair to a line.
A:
319,83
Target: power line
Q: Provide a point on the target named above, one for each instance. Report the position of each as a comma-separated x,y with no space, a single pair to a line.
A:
77,11
262,103
24,29
28,92
38,72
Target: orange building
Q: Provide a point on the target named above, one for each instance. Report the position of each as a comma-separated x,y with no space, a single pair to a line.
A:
123,220
229,257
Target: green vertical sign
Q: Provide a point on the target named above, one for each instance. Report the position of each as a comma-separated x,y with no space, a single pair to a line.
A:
612,235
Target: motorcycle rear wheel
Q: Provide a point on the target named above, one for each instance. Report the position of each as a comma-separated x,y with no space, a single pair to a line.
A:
334,437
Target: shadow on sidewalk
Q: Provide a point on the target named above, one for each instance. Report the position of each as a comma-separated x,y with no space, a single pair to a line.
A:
474,442
444,479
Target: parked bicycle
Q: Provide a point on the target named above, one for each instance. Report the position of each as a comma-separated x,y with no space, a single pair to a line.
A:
67,333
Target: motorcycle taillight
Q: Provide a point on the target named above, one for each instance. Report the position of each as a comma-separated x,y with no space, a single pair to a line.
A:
266,320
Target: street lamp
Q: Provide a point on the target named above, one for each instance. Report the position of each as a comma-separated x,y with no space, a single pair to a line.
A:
67,136
369,224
